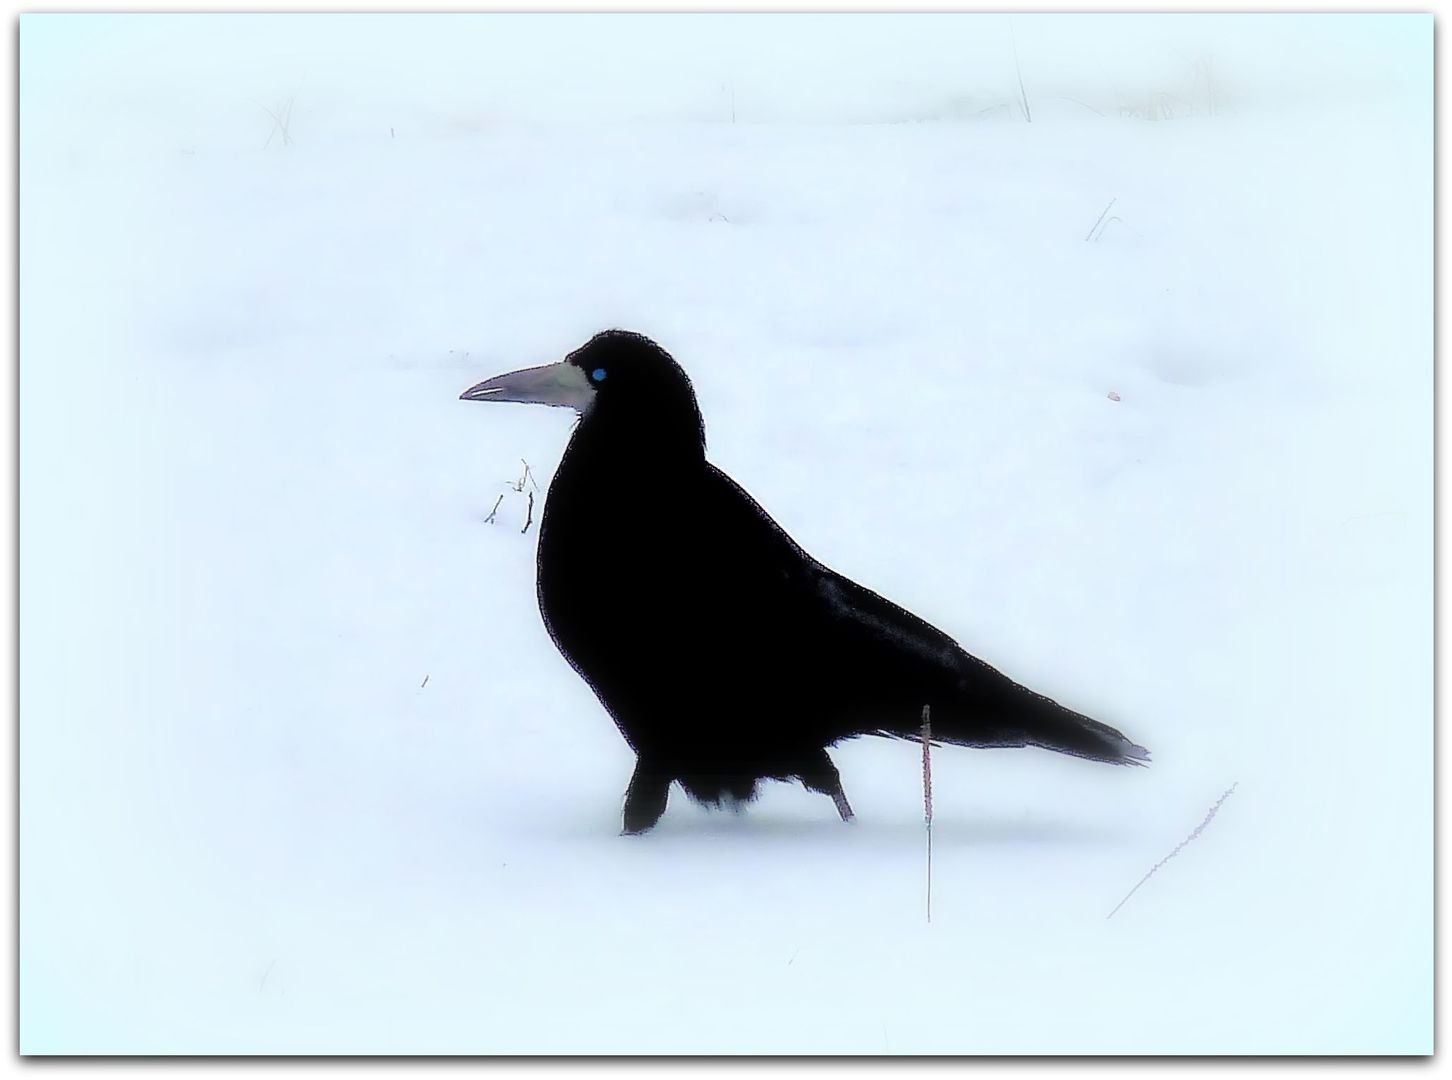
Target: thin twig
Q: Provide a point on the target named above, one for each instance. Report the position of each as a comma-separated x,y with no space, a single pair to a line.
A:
529,514
490,519
276,124
526,477
1198,830
1022,93
424,683
281,121
1090,234
928,799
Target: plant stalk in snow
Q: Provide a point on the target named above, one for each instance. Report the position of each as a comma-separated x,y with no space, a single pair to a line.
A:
928,798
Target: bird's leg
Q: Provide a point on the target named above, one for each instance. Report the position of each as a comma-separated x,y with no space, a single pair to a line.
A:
819,774
645,798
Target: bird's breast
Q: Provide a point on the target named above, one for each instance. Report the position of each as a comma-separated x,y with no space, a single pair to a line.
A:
609,571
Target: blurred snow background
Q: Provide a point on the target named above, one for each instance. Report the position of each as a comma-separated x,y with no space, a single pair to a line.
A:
300,768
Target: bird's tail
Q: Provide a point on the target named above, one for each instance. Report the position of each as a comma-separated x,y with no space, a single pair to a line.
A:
1024,718
1056,728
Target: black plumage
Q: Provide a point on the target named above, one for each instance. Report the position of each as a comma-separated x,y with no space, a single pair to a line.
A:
725,653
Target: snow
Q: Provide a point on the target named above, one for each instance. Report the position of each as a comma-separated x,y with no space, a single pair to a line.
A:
300,768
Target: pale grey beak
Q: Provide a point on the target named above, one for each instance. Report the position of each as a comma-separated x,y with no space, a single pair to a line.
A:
551,384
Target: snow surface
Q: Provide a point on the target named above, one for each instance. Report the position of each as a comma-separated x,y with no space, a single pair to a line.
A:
300,768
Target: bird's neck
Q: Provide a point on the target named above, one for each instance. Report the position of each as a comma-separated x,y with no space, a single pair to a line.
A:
614,493
638,447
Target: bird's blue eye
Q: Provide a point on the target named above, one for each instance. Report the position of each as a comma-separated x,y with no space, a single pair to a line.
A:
598,375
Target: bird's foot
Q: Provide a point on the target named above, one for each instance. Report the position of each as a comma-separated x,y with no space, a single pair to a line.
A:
819,774
645,799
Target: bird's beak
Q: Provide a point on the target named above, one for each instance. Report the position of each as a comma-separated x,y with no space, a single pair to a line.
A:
551,384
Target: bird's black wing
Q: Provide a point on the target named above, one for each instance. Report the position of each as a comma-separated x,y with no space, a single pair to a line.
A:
840,643
855,662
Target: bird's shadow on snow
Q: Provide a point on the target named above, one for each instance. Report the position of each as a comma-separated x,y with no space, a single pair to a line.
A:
702,827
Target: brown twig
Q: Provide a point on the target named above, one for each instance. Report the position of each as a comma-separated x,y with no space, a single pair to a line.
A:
928,798
526,477
1198,830
424,683
490,519
528,515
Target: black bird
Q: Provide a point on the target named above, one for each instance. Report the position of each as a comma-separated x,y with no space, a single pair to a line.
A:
725,653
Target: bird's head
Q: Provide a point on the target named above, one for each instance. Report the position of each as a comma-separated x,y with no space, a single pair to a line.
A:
616,375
